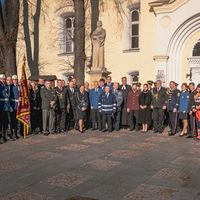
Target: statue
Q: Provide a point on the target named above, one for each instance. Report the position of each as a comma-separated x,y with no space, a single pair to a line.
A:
98,41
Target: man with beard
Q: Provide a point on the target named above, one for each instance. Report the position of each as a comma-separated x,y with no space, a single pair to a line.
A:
125,88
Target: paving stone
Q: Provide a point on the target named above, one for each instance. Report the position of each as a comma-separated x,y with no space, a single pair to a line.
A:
151,192
73,147
125,154
44,156
4,148
25,195
158,139
175,175
67,180
114,135
144,145
99,164
7,167
52,136
194,150
187,161
96,140
27,142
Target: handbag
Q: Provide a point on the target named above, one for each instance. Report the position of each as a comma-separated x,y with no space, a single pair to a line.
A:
83,104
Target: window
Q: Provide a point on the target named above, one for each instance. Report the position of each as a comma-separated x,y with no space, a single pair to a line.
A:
69,34
134,32
196,49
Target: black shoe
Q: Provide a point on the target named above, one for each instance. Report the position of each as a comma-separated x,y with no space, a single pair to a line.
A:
63,131
189,136
93,129
171,134
160,132
155,131
81,131
110,131
104,131
45,134
137,129
131,129
116,129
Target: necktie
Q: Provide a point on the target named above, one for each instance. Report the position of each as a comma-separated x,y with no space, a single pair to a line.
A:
61,88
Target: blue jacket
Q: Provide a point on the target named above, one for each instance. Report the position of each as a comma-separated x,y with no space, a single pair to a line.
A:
107,105
94,97
174,101
4,98
183,101
111,86
119,98
14,95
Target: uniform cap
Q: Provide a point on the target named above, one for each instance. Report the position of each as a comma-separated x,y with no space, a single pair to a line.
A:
198,86
14,77
138,84
2,76
150,82
176,84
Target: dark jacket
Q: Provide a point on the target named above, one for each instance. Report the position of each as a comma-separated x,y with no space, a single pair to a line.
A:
159,98
191,100
145,99
173,101
35,99
72,98
63,99
79,97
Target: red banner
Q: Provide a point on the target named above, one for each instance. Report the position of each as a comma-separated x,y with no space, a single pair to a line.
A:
23,110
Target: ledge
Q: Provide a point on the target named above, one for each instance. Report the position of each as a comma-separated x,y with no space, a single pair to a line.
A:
65,54
131,50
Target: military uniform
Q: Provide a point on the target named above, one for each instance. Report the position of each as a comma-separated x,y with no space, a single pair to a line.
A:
94,99
117,115
173,103
14,95
48,111
4,110
63,102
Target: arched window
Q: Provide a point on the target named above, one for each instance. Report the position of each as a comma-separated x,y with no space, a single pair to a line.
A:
69,34
134,32
196,49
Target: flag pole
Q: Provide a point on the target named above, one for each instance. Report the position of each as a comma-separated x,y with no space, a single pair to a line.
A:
25,128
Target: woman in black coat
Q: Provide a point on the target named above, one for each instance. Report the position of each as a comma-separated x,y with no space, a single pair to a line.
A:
144,117
81,101
35,104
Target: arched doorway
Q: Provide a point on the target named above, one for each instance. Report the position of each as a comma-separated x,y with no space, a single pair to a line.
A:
194,63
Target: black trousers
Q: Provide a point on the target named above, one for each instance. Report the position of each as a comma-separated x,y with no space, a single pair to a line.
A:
173,117
60,119
108,118
117,116
4,121
72,115
133,119
158,119
35,120
96,116
193,125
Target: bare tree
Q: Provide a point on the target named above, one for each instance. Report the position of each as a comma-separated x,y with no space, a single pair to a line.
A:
9,23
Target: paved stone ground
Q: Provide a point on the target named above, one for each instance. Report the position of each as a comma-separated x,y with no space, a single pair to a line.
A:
105,166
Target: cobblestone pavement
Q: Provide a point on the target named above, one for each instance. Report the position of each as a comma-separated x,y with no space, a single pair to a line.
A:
103,166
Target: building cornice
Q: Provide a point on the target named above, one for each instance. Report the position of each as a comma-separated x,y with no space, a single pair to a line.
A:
159,7
161,58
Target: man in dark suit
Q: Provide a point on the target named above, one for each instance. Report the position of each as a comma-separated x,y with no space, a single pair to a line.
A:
87,120
72,108
158,104
108,82
63,105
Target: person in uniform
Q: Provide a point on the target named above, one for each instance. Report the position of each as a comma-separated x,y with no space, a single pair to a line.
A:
62,106
196,109
87,118
72,108
138,86
150,83
107,107
4,107
192,117
35,104
108,83
125,88
144,116
14,96
183,108
119,98
133,107
94,99
158,104
172,107
81,102
49,99
75,84
102,84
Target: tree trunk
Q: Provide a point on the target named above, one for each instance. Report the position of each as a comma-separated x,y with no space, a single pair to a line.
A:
9,23
79,41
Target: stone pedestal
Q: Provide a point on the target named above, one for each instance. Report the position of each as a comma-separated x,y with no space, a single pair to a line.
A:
96,75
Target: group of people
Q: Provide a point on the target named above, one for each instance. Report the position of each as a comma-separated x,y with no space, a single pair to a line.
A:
107,107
